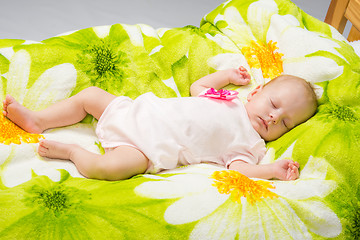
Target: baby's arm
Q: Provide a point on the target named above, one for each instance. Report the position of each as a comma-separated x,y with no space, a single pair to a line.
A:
220,79
282,169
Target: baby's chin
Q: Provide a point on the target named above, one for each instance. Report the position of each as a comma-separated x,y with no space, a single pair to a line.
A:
266,136
258,129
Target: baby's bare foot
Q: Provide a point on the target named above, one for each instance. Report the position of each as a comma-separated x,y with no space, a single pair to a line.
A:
52,149
21,116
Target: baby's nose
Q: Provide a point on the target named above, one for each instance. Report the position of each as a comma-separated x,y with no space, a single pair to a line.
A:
274,118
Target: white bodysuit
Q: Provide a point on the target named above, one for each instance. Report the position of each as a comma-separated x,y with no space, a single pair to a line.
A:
180,131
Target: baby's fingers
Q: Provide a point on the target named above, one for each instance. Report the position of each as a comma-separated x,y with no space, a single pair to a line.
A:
244,73
297,164
292,164
292,173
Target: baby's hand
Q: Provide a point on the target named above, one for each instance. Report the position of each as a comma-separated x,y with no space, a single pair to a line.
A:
286,170
240,76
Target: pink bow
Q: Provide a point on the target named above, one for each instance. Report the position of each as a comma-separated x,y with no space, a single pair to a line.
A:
222,94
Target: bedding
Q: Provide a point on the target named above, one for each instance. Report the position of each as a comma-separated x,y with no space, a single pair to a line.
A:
48,199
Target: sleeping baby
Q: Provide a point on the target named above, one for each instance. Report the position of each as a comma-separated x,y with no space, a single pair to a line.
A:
150,134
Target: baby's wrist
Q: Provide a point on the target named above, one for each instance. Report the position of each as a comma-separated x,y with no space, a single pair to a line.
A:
273,170
232,75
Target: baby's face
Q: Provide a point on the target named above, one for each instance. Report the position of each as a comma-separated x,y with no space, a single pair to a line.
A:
276,108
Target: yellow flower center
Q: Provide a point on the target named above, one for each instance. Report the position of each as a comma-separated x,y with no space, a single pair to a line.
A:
11,133
265,57
238,185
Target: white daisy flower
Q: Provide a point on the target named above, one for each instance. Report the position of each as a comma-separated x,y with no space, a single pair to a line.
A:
53,85
223,213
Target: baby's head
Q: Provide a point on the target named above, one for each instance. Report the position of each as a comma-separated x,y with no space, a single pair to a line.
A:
280,105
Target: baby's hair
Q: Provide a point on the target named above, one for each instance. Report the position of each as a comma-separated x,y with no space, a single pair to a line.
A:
309,89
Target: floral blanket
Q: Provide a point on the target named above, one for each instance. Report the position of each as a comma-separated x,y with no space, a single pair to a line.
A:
48,199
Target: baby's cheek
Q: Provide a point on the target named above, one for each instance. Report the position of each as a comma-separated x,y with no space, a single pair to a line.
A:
257,127
274,133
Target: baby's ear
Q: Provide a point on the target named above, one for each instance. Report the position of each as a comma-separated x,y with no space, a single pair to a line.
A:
255,91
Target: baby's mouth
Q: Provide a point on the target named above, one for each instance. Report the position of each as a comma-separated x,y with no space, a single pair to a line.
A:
265,123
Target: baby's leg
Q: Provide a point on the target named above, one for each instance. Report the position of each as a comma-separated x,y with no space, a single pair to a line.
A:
91,100
121,163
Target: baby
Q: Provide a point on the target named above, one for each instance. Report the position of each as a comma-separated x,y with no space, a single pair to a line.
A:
150,134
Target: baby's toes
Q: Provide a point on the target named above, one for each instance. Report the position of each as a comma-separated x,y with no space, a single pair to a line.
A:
5,104
42,150
8,100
